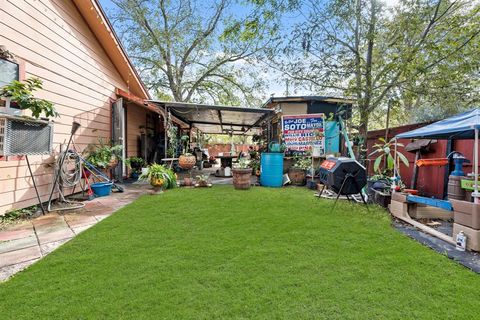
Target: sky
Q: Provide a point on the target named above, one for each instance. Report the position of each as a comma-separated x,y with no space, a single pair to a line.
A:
274,86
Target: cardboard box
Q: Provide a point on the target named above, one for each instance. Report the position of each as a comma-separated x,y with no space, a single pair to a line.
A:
399,196
398,209
473,236
421,211
466,213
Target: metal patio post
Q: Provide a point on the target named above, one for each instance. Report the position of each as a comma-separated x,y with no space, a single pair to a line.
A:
475,163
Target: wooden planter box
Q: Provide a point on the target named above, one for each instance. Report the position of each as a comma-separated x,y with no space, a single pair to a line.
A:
421,211
473,236
466,213
399,196
297,176
398,209
382,199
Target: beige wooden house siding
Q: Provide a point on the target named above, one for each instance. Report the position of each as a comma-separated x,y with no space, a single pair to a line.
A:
56,45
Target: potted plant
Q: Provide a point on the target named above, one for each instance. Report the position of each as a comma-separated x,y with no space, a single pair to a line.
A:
297,172
135,164
186,160
172,132
255,165
202,181
380,183
159,177
385,151
241,174
254,161
103,155
187,180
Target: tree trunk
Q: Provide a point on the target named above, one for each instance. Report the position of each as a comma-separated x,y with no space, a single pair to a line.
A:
362,135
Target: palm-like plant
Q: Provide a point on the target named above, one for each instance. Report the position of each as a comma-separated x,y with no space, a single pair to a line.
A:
160,176
386,151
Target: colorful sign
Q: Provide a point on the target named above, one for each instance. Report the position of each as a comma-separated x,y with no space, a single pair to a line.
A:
302,132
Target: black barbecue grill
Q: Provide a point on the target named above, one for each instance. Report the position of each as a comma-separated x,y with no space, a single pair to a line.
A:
344,176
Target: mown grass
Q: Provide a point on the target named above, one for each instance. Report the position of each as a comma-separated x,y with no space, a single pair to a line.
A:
259,254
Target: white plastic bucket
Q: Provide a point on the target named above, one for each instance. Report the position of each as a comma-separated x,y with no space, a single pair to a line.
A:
228,171
316,151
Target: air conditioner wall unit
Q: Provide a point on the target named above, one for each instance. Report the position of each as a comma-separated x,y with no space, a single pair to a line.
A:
22,136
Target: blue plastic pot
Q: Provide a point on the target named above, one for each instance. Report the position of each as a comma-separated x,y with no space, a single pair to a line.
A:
135,175
102,189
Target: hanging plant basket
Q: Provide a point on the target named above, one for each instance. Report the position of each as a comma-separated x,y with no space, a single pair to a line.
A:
187,162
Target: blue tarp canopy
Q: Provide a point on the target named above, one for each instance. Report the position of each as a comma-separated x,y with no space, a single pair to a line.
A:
460,126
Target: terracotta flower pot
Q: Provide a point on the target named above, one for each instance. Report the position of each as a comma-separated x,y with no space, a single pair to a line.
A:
187,162
187,182
241,178
202,183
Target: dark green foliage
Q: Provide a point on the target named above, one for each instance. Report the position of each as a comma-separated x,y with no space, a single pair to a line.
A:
102,154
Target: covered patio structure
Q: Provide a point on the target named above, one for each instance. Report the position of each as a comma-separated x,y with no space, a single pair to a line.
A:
217,119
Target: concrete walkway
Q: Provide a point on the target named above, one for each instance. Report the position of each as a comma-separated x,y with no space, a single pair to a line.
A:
25,243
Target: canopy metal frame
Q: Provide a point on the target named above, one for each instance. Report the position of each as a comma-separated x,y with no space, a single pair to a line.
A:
215,119
469,128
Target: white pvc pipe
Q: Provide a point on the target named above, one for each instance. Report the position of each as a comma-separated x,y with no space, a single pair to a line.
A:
395,167
406,217
394,184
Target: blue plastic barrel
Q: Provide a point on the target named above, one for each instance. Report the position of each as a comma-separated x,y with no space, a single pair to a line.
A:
101,189
271,169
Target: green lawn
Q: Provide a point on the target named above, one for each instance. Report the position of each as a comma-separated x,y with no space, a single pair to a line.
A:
263,253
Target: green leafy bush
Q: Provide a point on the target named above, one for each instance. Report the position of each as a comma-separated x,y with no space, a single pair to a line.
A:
386,150
102,155
22,94
135,163
302,162
243,163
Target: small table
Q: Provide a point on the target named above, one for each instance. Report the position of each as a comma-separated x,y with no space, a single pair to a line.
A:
171,160
226,161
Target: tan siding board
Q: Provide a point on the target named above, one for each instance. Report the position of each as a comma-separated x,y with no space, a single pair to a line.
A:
62,37
92,91
78,78
22,183
27,48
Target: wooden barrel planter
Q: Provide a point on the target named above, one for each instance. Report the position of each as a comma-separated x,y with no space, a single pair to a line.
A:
241,178
297,176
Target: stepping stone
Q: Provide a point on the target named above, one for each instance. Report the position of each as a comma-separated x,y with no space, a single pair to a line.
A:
75,221
7,272
61,234
49,247
11,245
17,256
80,229
7,235
54,225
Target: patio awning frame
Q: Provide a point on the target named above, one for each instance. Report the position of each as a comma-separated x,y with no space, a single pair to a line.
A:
217,119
